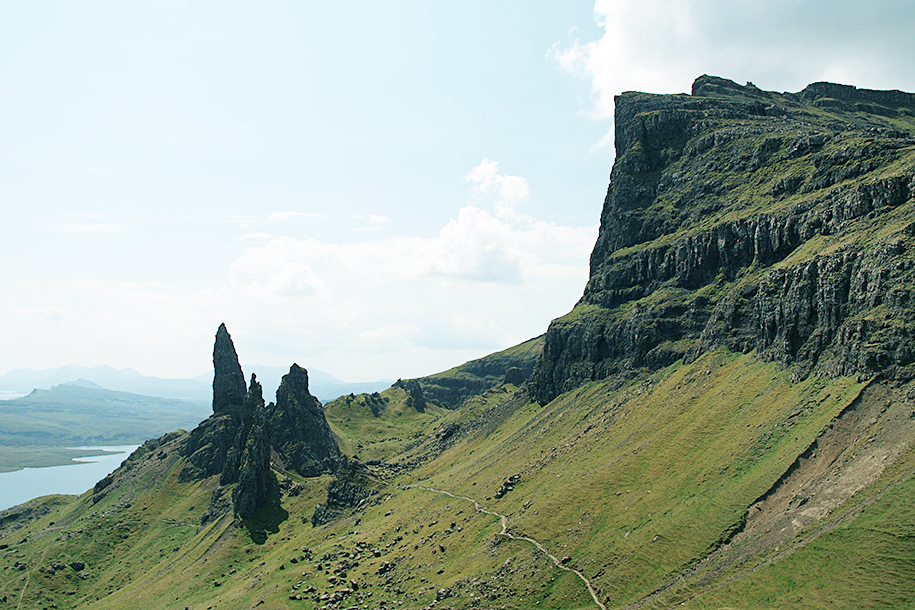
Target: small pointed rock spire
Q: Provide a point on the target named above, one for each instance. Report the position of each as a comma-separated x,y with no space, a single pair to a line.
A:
229,387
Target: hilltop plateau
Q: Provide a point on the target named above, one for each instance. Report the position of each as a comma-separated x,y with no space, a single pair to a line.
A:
725,419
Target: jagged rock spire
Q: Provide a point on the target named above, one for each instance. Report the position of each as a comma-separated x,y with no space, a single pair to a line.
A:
256,481
228,380
299,429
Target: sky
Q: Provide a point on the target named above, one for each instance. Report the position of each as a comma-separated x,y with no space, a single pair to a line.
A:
374,190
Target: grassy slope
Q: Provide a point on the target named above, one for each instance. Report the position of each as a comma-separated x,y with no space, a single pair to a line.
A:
369,437
632,484
863,563
638,483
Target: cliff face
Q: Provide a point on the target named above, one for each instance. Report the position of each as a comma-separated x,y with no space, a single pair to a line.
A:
735,217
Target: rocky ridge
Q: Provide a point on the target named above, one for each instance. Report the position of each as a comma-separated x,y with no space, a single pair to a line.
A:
752,220
238,441
454,387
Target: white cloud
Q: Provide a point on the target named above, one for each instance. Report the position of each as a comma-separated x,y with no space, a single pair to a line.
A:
374,219
48,313
661,46
507,192
258,236
483,282
392,306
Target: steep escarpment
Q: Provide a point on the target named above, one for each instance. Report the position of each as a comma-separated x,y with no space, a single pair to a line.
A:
735,217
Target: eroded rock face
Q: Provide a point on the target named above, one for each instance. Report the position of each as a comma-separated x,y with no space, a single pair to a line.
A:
228,380
299,430
742,218
208,445
257,485
236,442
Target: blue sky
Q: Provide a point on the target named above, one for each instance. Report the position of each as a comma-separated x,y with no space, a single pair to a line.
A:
370,189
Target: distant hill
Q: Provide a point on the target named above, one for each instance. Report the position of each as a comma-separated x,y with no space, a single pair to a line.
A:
83,413
119,380
451,388
198,389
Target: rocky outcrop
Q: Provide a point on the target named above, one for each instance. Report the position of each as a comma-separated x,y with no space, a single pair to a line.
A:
257,485
351,489
514,376
742,218
228,380
238,440
376,403
415,397
299,430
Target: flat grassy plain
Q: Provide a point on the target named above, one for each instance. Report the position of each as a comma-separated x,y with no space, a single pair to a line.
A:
17,458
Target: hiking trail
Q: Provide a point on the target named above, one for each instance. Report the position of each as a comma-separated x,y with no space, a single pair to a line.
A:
504,520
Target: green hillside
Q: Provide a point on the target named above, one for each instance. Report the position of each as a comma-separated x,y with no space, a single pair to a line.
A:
652,490
725,420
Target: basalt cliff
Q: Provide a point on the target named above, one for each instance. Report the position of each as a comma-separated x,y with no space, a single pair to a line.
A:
779,224
726,419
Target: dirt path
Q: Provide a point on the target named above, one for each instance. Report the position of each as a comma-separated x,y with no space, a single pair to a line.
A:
28,579
504,520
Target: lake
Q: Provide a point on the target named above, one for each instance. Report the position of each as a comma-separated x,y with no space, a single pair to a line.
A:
23,485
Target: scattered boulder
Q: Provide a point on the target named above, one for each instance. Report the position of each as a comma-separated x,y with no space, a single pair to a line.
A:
508,485
443,594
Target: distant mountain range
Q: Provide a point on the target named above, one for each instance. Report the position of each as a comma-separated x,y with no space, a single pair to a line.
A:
196,389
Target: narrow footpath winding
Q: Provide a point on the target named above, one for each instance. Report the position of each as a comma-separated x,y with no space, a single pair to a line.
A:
558,563
28,579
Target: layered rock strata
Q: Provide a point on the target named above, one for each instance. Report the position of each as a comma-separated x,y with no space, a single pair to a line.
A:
735,217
